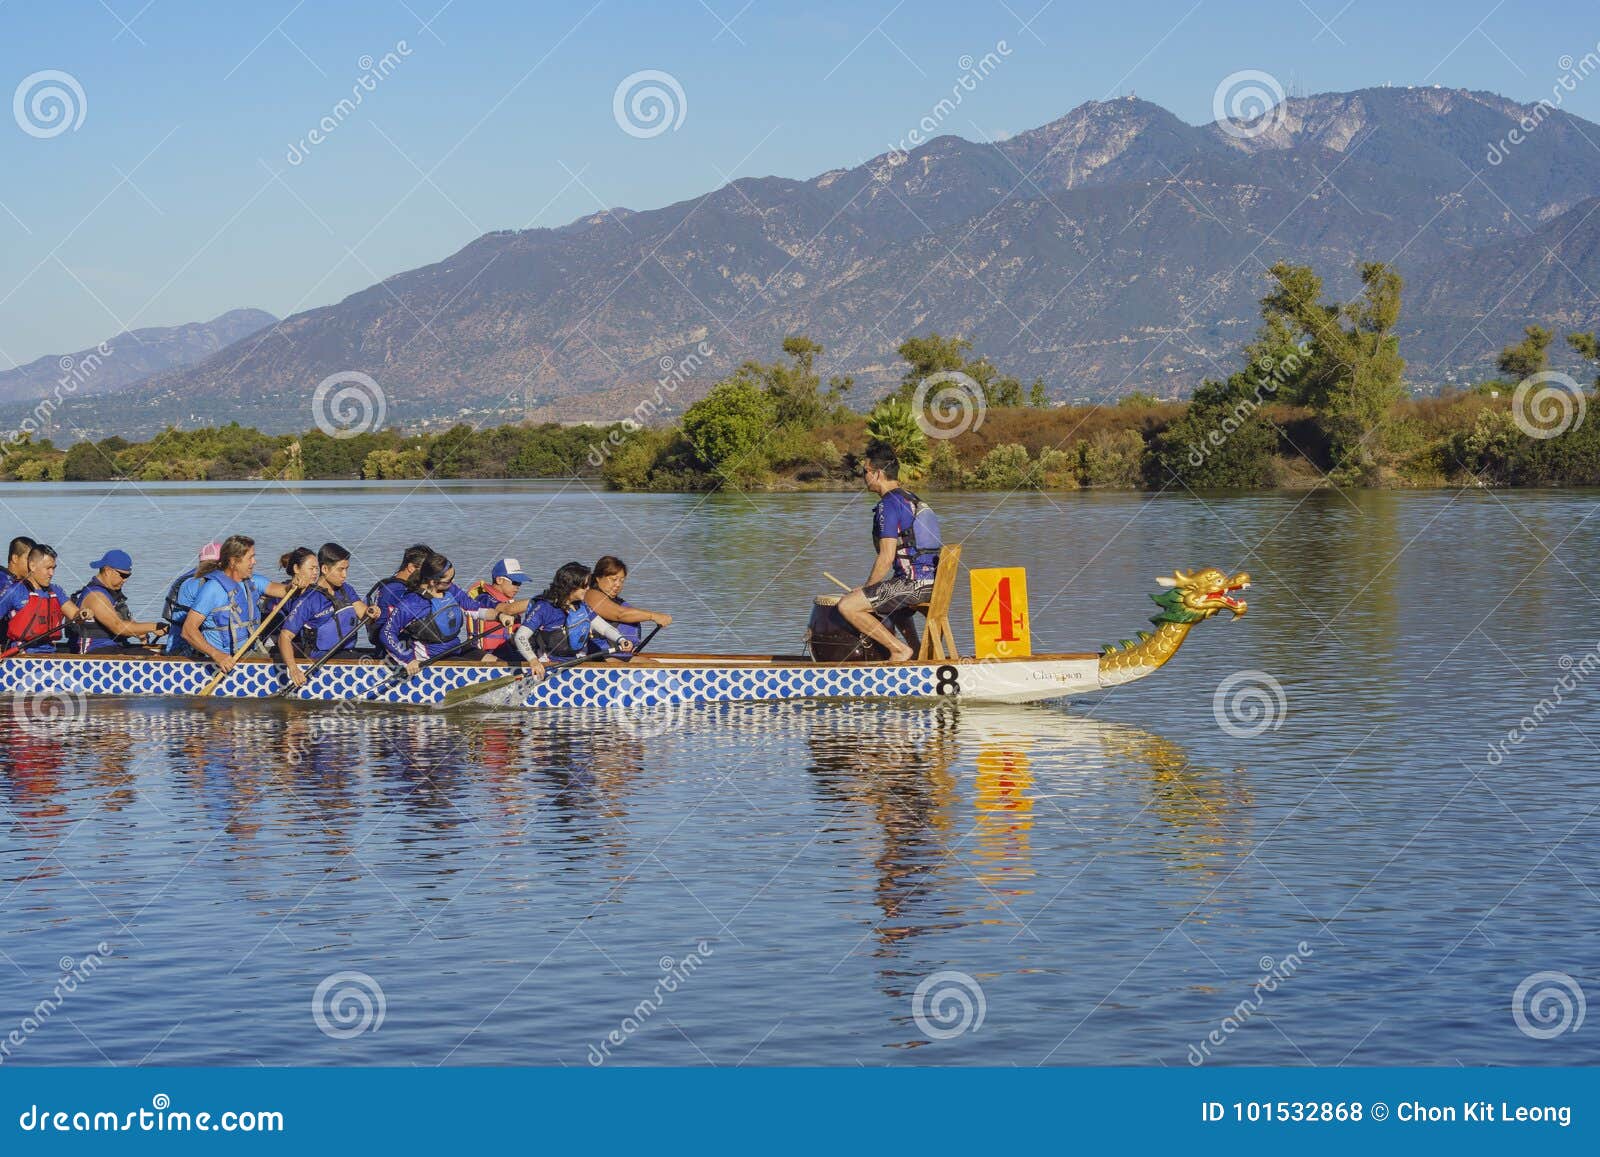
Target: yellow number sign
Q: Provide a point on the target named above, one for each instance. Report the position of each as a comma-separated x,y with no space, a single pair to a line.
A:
1000,627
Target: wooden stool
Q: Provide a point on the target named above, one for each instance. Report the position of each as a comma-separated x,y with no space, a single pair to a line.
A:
938,643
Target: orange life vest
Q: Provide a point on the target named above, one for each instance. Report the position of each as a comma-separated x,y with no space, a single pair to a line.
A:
487,633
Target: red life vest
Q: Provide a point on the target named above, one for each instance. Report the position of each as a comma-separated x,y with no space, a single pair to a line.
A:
39,619
487,633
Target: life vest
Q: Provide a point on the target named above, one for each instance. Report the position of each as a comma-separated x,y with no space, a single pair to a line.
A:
559,632
172,610
37,621
629,631
235,620
442,623
94,636
487,633
325,629
384,595
921,542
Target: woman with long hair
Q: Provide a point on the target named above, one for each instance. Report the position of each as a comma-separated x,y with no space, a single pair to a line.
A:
425,623
561,623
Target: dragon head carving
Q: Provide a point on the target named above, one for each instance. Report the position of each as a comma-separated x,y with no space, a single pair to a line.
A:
1194,596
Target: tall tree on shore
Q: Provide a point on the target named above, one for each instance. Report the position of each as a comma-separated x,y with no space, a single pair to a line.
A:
1353,371
933,353
1527,357
1587,347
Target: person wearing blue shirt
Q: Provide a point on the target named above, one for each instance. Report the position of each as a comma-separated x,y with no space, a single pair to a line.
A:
16,562
227,608
385,593
905,535
324,618
35,610
426,622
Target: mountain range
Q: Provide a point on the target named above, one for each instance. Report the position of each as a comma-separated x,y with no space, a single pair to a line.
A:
1115,249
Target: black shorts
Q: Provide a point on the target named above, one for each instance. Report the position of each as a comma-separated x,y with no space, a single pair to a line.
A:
898,593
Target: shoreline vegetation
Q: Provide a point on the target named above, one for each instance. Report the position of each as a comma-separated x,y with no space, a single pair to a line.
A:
1321,402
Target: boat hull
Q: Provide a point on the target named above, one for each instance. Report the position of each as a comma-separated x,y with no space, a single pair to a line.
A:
659,680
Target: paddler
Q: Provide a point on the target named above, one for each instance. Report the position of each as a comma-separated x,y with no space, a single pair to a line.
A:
385,593
426,622
227,608
505,579
604,597
16,562
180,596
112,624
561,623
325,617
905,533
35,610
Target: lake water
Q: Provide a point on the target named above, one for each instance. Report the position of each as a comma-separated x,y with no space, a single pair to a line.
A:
1102,882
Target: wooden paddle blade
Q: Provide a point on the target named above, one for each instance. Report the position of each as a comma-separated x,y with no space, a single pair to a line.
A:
459,695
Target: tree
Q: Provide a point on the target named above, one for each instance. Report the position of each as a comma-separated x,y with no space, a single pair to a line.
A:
1037,398
935,354
1351,371
87,462
1528,356
728,426
892,423
1221,440
1587,347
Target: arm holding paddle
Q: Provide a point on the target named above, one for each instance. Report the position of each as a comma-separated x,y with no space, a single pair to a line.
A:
98,608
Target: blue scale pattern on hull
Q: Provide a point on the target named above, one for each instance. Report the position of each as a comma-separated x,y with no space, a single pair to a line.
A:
584,686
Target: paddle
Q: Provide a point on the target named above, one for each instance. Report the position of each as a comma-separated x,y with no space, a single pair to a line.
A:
460,695
337,647
248,643
26,643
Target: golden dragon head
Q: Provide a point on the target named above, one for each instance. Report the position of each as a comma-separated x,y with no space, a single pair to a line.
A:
1194,596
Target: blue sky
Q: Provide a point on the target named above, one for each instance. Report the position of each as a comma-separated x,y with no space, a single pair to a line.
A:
174,199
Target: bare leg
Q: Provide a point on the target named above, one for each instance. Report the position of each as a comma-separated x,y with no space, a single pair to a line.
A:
858,613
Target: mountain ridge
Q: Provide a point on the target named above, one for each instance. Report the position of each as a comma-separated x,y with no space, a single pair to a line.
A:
1113,248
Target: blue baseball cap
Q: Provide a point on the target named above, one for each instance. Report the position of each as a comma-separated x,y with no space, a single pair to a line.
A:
509,568
115,559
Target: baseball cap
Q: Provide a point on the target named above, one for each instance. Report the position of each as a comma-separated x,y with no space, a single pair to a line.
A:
115,559
509,568
211,552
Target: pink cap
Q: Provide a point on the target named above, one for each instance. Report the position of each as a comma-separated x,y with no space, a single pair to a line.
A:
211,552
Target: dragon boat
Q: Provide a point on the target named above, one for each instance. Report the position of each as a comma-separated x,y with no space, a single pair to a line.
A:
1188,598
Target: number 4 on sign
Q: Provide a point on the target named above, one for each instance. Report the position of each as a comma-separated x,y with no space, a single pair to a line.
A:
1000,613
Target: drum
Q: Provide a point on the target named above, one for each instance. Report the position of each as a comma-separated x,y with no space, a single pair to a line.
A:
831,639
